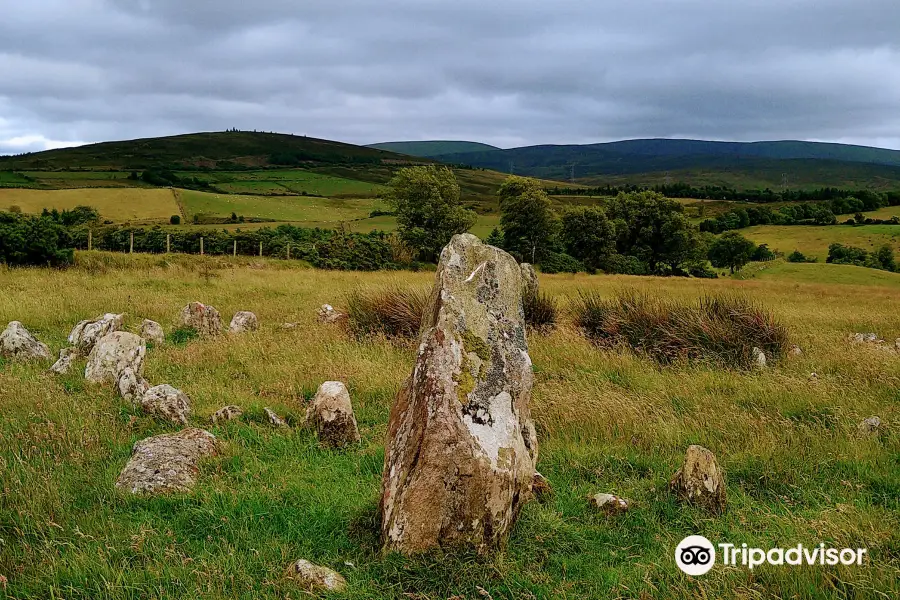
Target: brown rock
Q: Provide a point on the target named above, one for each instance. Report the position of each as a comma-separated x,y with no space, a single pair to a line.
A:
314,578
167,463
203,319
700,480
227,413
461,449
331,413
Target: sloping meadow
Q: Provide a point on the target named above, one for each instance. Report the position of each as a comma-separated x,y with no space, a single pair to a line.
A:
611,416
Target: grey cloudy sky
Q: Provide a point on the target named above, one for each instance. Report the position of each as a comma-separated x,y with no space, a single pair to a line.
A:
507,72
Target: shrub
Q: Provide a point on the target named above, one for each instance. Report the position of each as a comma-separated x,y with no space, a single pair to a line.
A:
39,241
541,311
175,220
798,257
557,262
762,254
625,265
394,313
720,330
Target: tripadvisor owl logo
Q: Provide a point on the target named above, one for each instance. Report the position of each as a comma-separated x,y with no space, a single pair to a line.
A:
695,555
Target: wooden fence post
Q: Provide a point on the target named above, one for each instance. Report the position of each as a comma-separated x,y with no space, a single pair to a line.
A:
289,252
131,247
168,243
234,253
201,245
260,248
90,238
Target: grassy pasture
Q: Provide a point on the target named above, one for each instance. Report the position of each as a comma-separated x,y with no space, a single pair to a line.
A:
607,421
119,204
288,181
814,240
279,208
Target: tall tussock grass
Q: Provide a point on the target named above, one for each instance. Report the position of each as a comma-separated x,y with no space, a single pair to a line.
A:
395,313
541,311
721,329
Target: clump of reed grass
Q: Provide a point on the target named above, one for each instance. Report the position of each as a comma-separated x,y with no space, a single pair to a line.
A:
541,311
721,330
395,313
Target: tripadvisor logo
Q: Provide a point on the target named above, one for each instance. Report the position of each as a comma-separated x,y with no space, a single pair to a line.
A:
696,555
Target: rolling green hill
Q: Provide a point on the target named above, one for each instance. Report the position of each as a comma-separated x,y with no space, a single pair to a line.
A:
758,164
220,150
433,149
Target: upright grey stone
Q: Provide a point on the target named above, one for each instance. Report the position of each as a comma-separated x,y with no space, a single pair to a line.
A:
461,448
86,334
112,354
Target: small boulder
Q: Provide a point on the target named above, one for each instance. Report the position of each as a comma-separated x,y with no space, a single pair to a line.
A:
203,319
132,386
327,314
289,326
152,332
17,343
795,351
759,358
529,280
167,402
869,426
700,480
274,419
609,503
540,487
112,354
243,321
864,338
64,364
813,378
314,578
331,413
86,334
167,463
227,413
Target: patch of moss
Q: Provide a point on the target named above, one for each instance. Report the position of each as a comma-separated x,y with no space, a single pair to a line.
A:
473,343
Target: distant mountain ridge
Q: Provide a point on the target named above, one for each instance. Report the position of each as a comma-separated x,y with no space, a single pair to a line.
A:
632,157
433,148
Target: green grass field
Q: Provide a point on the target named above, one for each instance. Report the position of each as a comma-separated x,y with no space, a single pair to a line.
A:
136,205
608,421
280,208
288,181
814,240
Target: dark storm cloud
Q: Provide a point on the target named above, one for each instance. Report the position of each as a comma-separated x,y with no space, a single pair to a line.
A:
503,71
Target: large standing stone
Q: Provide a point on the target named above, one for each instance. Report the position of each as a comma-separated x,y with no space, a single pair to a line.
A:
167,463
64,364
17,343
700,480
243,321
204,319
112,354
529,280
153,332
86,334
461,448
167,402
331,413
